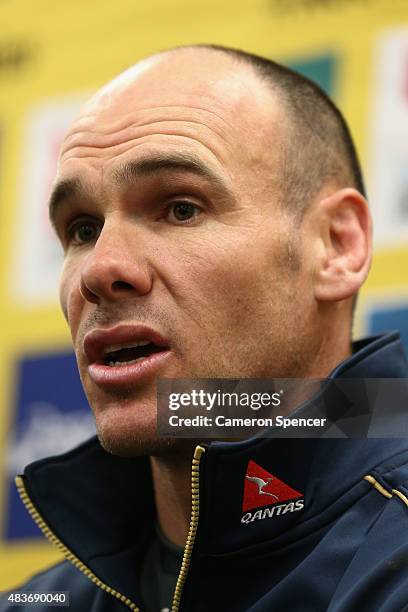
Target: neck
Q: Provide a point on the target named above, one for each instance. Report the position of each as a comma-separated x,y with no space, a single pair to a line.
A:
332,344
172,490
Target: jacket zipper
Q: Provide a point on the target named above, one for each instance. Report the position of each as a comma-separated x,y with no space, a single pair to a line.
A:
195,512
65,551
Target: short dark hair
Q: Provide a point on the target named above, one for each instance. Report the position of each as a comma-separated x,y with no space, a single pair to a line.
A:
320,145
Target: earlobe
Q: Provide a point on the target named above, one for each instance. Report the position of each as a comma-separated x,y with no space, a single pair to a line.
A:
345,227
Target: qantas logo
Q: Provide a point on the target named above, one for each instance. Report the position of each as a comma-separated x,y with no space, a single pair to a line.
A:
261,489
261,484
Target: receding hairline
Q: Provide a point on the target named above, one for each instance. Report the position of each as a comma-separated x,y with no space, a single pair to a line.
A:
296,96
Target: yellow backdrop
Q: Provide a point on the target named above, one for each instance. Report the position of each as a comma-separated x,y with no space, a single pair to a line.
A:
53,54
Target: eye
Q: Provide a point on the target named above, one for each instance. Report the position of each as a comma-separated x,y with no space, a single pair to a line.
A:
183,212
83,231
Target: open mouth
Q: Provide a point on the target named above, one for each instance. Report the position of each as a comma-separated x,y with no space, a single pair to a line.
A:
119,356
125,355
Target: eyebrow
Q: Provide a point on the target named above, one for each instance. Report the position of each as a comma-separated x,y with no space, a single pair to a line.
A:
175,161
63,191
131,171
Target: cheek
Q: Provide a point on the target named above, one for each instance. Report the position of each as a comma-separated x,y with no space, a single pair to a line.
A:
215,278
228,279
70,297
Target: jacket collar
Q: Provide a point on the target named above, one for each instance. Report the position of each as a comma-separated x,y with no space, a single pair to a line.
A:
322,469
101,507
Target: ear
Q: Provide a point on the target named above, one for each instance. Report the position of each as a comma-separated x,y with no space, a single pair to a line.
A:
345,245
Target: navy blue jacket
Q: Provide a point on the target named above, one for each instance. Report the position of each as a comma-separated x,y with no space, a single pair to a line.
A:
343,548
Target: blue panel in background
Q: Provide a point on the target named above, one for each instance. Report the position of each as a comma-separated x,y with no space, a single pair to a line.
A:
51,416
389,318
322,69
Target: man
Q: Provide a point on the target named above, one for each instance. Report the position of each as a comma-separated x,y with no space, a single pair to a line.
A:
211,210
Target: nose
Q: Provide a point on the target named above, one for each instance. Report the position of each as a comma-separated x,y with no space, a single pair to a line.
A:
116,268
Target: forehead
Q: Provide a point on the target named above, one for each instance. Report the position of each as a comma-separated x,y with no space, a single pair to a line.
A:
192,101
206,79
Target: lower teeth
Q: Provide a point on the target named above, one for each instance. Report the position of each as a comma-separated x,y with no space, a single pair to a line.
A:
115,364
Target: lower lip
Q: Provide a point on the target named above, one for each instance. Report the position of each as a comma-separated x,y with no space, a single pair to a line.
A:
125,375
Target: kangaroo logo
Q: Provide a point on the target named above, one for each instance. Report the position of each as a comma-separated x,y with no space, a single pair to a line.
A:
261,488
261,485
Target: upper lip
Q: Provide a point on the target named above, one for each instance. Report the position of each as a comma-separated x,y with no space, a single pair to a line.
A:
97,341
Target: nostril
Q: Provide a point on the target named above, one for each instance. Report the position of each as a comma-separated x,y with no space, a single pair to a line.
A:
122,286
87,294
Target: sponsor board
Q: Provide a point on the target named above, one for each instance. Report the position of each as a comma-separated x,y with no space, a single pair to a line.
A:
38,257
51,416
388,146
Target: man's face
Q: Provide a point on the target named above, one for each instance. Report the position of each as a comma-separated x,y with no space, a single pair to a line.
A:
179,256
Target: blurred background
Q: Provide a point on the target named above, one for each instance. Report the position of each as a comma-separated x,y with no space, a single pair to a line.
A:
53,55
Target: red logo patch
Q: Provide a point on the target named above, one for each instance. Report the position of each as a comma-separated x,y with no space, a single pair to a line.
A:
261,488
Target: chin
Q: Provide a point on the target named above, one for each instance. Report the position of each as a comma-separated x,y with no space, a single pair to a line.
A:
129,429
136,445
